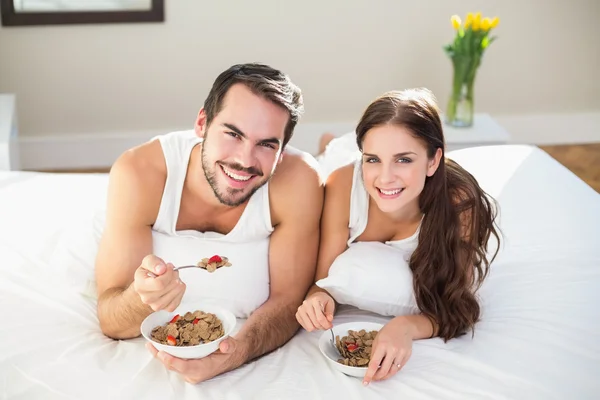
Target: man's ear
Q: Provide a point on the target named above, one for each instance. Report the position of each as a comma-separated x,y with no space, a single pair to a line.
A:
200,125
280,158
434,163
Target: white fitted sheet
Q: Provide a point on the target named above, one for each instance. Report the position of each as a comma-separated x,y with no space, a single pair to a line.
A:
539,337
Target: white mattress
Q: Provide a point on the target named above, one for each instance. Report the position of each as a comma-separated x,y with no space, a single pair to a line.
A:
539,337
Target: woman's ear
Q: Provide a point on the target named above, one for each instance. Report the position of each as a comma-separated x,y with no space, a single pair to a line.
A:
434,163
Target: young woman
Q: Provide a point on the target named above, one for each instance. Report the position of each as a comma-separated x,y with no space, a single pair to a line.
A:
418,196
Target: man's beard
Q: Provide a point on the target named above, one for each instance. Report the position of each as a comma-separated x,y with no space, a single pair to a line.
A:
230,200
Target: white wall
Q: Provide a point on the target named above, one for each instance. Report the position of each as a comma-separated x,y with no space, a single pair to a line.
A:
89,79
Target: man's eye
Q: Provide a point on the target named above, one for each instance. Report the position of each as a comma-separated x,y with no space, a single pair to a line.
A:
233,134
268,145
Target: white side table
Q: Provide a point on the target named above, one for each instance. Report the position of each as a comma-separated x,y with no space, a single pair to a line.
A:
9,134
484,131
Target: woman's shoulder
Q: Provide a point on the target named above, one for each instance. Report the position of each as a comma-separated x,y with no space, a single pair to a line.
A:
338,189
341,179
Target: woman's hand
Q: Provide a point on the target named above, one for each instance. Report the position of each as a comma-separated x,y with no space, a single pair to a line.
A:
391,349
316,312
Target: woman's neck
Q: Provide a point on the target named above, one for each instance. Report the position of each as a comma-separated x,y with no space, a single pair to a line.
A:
411,213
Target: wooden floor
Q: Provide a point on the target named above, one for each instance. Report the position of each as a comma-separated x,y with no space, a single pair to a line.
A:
583,160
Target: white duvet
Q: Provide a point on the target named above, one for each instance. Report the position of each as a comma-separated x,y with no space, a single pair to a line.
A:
539,337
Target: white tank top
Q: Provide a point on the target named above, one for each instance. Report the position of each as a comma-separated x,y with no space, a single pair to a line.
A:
386,280
359,215
243,286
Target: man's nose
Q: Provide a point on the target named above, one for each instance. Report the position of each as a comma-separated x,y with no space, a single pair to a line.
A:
245,155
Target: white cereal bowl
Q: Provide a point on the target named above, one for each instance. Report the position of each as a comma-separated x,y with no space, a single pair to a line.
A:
329,351
188,352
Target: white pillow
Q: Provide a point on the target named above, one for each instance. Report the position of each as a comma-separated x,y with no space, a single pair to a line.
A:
74,257
372,276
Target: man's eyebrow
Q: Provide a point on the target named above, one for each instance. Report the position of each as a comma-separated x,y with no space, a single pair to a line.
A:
272,140
235,129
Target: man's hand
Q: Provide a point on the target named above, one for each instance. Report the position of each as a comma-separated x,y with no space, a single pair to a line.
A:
163,292
230,355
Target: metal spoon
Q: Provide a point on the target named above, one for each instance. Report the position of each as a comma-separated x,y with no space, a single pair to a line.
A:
152,275
332,341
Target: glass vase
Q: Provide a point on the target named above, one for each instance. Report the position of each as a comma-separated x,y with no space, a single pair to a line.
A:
461,106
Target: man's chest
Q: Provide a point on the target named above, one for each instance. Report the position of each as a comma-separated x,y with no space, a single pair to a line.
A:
198,218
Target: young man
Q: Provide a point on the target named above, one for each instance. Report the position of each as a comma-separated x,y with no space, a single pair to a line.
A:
230,184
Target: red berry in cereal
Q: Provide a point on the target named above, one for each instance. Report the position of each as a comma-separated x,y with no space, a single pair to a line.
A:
215,259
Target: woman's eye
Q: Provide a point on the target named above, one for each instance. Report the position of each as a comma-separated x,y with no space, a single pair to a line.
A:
404,160
371,160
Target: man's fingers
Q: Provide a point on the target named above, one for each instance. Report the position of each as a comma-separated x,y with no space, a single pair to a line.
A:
161,283
153,264
158,292
173,363
167,299
151,349
177,300
227,346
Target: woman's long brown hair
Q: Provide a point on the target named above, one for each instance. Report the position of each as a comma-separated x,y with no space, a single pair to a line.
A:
451,260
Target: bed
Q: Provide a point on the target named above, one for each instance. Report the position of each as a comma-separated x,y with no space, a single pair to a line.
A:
539,336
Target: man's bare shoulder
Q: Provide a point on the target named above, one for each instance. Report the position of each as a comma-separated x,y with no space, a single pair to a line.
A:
142,165
296,185
296,168
137,179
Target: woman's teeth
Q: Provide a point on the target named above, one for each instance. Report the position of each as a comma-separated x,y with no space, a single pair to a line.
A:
390,192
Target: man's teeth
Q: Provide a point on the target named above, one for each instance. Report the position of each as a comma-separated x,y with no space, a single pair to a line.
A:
390,192
235,176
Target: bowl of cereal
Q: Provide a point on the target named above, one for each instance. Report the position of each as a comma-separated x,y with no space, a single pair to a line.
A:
191,331
352,350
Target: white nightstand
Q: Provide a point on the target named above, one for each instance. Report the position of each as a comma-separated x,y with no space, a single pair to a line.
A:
484,131
9,134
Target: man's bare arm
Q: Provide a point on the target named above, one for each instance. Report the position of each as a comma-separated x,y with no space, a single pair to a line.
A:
292,259
133,198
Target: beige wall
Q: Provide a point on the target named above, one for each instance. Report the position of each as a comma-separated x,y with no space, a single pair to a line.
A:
137,77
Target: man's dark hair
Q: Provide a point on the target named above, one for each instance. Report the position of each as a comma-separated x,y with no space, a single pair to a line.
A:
262,80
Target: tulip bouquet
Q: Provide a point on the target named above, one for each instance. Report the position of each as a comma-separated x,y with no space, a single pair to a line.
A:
466,50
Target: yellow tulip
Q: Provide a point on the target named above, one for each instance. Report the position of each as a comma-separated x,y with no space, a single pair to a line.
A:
455,21
495,22
478,17
469,20
486,24
476,25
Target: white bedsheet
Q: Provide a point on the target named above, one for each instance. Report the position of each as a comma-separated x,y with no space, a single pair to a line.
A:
539,337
